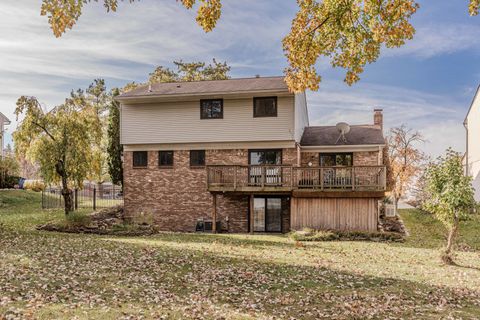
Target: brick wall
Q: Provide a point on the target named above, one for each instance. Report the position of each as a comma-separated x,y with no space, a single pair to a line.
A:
177,197
365,158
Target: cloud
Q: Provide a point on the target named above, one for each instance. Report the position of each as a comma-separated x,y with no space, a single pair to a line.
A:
436,116
126,45
439,39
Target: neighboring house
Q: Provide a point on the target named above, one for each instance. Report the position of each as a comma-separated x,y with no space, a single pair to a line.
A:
472,153
3,122
241,152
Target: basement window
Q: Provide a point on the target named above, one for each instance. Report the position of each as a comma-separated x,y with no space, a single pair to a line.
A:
140,159
165,158
197,158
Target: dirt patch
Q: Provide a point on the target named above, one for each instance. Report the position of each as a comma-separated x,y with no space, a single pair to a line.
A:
392,224
107,221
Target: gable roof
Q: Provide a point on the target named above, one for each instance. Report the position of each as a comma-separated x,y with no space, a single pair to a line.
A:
208,87
477,94
4,119
329,136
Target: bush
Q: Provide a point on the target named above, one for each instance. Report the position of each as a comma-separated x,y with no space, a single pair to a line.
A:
77,219
308,234
9,182
34,185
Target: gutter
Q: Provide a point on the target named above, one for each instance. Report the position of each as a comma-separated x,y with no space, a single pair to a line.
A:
193,95
358,147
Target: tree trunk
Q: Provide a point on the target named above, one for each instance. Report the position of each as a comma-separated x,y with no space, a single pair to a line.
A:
447,256
68,199
395,204
66,192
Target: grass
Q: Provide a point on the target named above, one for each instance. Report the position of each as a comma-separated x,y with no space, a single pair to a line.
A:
202,276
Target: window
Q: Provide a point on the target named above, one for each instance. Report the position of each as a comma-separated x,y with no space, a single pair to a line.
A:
267,156
211,109
165,158
197,158
265,107
140,158
336,159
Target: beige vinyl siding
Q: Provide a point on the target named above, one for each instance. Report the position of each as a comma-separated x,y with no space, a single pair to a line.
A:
179,122
473,147
301,115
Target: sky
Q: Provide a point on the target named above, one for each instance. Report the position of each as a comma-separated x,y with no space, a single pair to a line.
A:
428,84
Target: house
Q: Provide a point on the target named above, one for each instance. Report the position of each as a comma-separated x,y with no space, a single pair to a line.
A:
472,150
241,152
3,122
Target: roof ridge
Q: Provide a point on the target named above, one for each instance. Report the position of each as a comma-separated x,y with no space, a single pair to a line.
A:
210,80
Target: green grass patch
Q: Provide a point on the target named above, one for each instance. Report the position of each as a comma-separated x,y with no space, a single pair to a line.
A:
48,275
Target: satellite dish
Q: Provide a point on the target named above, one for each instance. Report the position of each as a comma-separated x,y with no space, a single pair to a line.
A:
343,128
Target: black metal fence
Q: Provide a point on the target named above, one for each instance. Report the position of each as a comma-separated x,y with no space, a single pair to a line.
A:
90,197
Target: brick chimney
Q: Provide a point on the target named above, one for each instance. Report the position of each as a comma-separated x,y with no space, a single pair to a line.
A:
378,117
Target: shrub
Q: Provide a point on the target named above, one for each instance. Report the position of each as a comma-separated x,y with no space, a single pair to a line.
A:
35,185
9,182
308,234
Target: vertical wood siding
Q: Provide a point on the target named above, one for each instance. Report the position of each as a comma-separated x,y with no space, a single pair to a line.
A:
334,213
179,122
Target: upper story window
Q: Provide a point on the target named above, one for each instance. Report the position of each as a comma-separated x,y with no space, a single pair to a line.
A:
265,107
211,109
336,159
140,159
197,158
165,158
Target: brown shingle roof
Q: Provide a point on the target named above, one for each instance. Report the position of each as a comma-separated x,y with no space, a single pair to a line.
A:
209,87
328,136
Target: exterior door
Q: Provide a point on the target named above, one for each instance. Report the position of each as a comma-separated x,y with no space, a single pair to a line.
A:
267,215
263,164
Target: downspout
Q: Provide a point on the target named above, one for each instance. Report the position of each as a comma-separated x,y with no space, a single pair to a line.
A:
298,154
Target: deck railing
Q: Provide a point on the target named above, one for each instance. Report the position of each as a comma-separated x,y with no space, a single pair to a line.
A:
285,177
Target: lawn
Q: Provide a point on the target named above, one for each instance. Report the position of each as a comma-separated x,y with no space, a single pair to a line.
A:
48,275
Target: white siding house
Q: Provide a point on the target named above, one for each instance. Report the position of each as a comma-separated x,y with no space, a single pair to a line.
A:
472,154
3,122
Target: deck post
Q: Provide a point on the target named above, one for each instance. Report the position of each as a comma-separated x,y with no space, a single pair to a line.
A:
251,212
214,213
321,179
353,178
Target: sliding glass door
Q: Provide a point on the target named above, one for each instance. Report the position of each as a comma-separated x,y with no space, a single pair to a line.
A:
267,215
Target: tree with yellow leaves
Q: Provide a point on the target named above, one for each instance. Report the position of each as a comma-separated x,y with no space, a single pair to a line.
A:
350,33
62,141
405,159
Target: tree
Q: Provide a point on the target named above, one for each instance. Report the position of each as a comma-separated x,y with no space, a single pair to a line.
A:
114,149
190,71
450,196
350,33
60,140
404,159
96,95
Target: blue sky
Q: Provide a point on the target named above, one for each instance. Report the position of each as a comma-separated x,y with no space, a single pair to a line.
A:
428,84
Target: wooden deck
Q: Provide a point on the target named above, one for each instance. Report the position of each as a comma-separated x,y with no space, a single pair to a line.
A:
301,180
